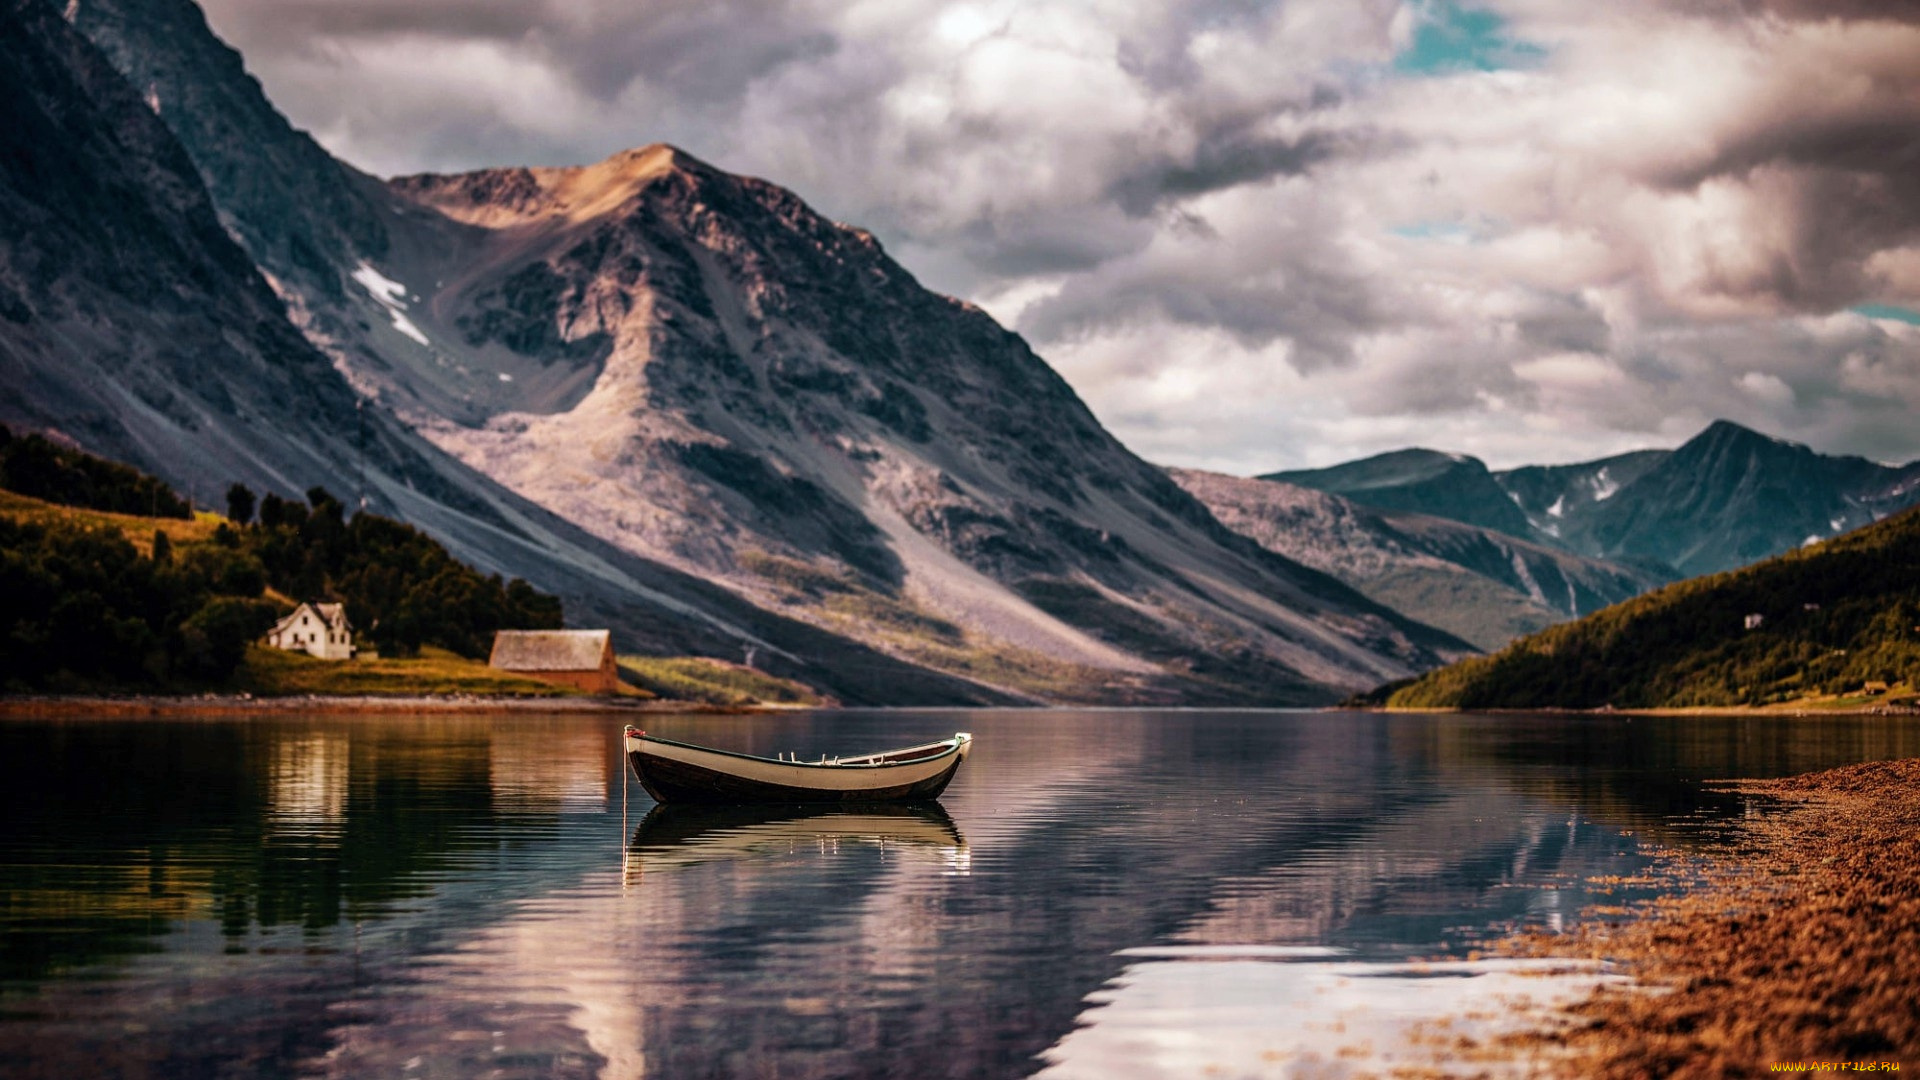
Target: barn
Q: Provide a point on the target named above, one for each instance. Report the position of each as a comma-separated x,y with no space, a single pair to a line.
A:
582,659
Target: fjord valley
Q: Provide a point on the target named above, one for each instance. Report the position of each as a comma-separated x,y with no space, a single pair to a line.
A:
698,412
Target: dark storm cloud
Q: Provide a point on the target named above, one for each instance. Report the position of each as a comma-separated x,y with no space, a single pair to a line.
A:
1566,324
1318,311
292,25
1842,173
703,51
1227,159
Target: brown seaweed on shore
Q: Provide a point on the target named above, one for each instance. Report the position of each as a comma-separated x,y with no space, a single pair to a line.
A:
1801,946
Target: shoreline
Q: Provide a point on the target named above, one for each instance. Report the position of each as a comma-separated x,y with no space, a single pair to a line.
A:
63,707
1798,944
1903,707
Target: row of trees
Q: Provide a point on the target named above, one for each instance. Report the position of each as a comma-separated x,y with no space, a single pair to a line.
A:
401,588
35,465
84,607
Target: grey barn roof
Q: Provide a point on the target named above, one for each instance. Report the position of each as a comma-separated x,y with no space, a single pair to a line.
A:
548,650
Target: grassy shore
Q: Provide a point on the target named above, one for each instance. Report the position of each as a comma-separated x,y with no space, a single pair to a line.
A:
713,682
1902,699
434,673
272,680
1801,946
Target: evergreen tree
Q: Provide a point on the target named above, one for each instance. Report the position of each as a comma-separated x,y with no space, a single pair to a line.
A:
240,503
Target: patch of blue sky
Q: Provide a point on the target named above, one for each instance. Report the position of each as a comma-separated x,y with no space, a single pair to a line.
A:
1452,232
1450,38
1889,312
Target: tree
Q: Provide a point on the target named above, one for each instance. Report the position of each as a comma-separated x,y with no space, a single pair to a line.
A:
240,504
162,548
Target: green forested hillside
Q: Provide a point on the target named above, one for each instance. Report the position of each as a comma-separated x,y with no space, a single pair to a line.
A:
99,598
1835,616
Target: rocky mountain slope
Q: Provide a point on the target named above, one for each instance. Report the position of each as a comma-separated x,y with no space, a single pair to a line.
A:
1731,496
1550,495
779,405
1727,497
1480,584
695,372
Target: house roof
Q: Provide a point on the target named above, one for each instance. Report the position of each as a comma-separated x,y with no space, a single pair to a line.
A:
549,650
333,615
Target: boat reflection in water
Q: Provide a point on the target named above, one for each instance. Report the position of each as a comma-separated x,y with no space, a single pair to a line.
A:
676,836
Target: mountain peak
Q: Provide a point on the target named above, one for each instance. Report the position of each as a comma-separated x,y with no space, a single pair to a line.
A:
1424,481
1724,437
1395,468
1728,433
500,198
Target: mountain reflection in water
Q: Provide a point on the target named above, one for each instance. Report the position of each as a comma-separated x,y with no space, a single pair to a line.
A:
454,896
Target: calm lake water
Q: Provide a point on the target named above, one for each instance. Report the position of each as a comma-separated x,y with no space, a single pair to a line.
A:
1098,894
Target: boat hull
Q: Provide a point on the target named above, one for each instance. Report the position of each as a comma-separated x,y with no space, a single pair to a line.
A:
676,773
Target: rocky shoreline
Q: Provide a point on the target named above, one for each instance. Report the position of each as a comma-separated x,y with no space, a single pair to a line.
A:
1798,946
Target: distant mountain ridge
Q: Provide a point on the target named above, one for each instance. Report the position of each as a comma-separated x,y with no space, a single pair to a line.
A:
1452,486
1728,497
1481,584
695,408
1731,496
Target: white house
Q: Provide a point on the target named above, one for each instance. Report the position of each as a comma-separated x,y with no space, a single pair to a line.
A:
320,629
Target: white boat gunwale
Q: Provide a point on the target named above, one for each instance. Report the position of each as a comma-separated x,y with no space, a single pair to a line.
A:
883,759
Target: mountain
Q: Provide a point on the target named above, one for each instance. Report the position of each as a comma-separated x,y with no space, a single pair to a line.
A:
1726,498
692,406
1451,486
1730,496
300,212
1827,618
133,325
1485,586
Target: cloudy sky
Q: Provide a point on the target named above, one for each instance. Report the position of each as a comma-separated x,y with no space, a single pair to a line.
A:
1258,234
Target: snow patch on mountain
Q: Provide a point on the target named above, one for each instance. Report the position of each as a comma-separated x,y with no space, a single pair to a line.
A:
392,295
1520,568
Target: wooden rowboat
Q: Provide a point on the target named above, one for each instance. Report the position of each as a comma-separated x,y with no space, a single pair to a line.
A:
676,772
